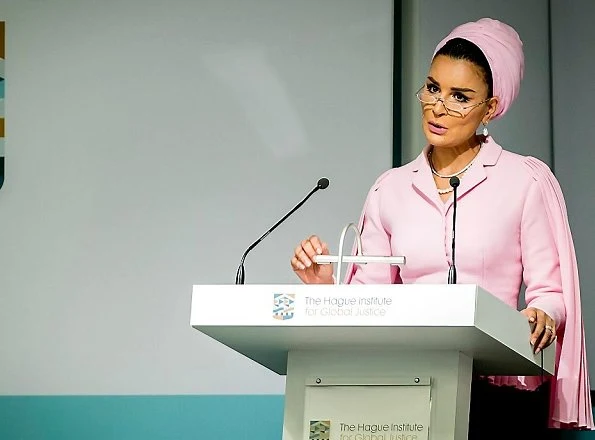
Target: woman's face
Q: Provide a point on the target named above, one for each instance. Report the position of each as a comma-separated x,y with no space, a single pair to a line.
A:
458,82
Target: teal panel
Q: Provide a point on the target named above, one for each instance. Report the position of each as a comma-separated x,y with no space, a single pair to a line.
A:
253,417
239,417
2,88
577,435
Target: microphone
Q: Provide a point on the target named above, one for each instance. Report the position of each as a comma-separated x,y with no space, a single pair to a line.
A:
452,272
323,183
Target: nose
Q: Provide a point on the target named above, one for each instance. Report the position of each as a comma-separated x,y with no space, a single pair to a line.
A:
439,108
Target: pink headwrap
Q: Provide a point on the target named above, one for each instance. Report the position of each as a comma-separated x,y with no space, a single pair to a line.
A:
503,48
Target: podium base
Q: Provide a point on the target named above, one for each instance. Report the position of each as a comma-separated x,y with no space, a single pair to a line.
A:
378,395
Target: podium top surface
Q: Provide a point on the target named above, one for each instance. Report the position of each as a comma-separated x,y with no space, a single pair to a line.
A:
265,322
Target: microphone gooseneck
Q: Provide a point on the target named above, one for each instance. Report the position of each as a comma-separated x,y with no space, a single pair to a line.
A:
452,271
322,183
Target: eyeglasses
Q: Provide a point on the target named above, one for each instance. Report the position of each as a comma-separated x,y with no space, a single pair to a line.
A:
452,106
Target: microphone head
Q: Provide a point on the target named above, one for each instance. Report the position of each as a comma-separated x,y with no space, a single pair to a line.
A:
323,183
454,181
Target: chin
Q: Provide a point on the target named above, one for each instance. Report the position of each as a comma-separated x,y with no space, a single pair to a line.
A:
436,140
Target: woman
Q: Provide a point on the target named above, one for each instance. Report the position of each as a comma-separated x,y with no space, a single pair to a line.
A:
511,222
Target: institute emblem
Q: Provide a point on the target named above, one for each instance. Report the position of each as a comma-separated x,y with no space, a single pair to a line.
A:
283,306
320,430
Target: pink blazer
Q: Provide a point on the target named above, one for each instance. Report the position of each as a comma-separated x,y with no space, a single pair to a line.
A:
512,228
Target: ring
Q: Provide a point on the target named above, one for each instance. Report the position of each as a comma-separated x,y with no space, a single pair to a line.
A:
550,328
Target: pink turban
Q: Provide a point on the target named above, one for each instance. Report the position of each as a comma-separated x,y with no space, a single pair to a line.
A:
503,49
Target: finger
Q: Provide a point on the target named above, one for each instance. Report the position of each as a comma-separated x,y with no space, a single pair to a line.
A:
310,253
546,338
304,252
316,244
531,314
539,328
551,331
296,254
303,258
554,332
300,254
325,250
310,249
297,264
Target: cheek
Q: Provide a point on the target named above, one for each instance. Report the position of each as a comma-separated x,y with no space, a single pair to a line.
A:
471,124
468,125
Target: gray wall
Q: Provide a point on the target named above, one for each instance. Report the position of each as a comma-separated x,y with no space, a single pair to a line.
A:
573,40
148,144
528,128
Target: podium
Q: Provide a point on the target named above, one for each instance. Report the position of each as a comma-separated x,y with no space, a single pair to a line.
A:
372,362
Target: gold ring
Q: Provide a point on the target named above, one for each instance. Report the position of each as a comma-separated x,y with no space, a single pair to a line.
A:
550,328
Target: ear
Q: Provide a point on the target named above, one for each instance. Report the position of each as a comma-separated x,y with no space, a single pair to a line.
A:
492,107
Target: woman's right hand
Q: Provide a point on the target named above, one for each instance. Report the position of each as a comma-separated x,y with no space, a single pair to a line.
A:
304,266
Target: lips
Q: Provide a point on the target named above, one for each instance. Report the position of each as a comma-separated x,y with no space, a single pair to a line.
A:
436,128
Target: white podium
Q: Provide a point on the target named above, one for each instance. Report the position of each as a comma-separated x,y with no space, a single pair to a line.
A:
372,362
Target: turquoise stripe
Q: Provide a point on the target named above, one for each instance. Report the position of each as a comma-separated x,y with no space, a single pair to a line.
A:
238,417
2,88
249,417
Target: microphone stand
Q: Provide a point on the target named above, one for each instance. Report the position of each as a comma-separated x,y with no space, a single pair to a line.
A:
452,271
323,183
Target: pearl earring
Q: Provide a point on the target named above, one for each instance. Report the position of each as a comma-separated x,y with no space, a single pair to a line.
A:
485,129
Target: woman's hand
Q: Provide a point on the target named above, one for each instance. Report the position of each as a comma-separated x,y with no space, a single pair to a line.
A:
304,266
543,328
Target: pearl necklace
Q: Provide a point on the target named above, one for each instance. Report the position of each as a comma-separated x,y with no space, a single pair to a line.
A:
445,191
448,176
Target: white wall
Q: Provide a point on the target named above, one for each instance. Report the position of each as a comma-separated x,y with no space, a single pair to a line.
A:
426,22
148,144
573,39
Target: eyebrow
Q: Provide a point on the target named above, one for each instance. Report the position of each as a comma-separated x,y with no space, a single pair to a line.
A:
454,89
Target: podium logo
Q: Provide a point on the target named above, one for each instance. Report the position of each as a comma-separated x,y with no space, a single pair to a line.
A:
283,306
320,430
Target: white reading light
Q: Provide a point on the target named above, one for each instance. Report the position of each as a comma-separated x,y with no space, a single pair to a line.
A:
359,258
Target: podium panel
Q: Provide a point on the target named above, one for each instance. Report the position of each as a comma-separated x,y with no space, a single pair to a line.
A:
446,377
389,408
356,343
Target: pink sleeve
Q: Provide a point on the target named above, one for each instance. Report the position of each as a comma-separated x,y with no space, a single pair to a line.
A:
541,264
570,398
375,241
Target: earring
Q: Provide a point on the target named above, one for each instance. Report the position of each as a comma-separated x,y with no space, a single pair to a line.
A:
485,129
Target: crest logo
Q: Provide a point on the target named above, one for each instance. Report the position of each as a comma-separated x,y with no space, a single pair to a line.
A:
320,430
283,306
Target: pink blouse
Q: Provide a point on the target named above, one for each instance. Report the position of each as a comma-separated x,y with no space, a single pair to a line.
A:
511,229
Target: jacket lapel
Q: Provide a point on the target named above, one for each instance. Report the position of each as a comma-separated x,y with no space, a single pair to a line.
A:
423,182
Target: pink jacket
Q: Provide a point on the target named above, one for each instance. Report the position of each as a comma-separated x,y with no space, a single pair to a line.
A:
511,228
